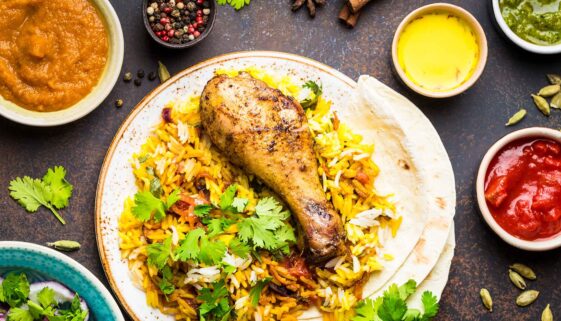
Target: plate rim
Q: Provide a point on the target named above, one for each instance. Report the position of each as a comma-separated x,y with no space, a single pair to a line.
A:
144,102
86,273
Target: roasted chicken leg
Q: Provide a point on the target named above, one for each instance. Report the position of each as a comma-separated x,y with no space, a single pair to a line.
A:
266,133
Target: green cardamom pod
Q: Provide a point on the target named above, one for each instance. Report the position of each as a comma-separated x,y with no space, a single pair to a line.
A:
65,245
556,101
516,279
542,104
516,118
523,270
554,79
163,72
527,297
486,299
547,315
549,91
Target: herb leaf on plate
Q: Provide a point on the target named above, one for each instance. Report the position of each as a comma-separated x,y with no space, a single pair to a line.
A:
316,92
255,292
159,253
215,304
15,289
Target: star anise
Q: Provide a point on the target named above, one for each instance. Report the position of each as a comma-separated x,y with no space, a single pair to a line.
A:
310,4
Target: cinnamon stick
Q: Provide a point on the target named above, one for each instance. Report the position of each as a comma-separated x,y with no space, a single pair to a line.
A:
348,18
356,5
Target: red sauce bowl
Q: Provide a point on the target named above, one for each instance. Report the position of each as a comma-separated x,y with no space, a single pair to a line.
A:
496,205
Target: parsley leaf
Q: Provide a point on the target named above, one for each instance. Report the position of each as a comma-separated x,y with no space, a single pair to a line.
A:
18,314
227,198
166,284
61,190
236,4
392,305
146,205
317,91
203,210
261,230
32,193
15,289
255,292
189,248
159,253
215,304
239,204
430,304
239,248
46,297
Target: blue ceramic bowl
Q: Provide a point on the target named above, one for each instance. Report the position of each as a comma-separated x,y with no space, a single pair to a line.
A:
41,264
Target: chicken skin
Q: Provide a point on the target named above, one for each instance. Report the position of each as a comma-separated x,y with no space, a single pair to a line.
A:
266,133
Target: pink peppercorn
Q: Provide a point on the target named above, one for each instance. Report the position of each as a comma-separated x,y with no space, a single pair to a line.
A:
164,21
200,1
165,38
171,32
167,10
199,20
196,34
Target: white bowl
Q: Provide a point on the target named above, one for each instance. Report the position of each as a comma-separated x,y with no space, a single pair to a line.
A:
537,245
98,93
481,39
545,50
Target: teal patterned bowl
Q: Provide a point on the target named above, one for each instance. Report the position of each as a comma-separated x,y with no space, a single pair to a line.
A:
41,264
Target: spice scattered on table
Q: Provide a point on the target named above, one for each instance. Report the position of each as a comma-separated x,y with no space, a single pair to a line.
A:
527,297
152,76
127,77
138,82
552,91
486,299
516,118
310,4
65,245
140,73
119,103
547,315
178,21
350,12
236,4
163,72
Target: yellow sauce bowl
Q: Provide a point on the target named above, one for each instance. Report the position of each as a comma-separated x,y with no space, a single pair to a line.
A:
464,24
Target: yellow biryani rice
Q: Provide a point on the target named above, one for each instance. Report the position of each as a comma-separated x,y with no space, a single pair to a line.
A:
180,156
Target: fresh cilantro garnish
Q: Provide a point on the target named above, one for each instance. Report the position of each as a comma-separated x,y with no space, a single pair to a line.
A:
146,205
15,289
159,253
217,226
255,292
215,304
261,229
18,314
74,313
392,305
317,91
239,248
198,247
166,284
227,198
239,204
46,297
236,4
203,210
52,192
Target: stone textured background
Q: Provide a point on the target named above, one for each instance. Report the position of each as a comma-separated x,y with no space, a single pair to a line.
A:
468,125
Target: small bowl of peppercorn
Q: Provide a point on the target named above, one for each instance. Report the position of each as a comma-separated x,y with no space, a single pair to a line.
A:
179,24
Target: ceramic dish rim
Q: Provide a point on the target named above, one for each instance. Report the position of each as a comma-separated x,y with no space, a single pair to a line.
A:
538,245
99,92
84,272
482,42
524,44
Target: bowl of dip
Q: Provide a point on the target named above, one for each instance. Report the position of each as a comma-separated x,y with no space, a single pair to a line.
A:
439,50
59,60
519,188
534,25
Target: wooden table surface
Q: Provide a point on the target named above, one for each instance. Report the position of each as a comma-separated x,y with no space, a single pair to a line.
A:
468,125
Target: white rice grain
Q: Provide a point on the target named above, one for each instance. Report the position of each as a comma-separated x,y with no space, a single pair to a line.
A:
356,264
337,178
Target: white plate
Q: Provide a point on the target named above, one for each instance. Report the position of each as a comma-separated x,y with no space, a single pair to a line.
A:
117,182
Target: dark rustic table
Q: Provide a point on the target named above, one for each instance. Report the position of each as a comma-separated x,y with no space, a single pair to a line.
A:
468,125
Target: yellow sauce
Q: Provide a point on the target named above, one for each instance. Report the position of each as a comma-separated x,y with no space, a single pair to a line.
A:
438,51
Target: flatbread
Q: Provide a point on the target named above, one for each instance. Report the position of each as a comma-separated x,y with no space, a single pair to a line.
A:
405,141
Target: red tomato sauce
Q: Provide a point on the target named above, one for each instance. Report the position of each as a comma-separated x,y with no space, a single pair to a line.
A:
523,188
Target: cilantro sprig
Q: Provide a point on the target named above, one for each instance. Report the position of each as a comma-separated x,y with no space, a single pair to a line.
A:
236,4
148,206
392,306
316,91
215,303
52,191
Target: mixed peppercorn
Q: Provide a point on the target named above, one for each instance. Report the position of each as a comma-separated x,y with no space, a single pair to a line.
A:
178,21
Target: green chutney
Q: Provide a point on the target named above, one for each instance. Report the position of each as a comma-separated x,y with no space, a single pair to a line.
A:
536,21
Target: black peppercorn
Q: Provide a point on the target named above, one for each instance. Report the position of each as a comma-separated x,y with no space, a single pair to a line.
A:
138,82
140,73
152,76
206,4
